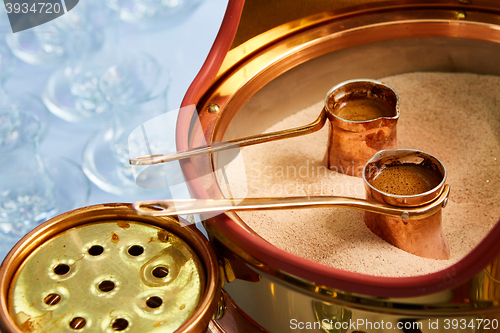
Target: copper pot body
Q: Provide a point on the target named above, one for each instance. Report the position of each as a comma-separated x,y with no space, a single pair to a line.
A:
424,237
352,143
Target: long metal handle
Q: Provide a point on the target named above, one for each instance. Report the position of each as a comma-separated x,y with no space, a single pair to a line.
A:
220,146
197,206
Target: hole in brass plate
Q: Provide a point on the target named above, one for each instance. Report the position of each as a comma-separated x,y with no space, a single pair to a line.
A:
96,250
119,324
135,250
154,302
61,269
77,323
106,286
52,299
160,272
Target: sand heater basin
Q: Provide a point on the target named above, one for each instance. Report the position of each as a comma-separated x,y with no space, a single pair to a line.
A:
453,116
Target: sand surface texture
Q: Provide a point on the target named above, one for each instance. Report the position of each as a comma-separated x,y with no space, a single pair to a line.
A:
455,117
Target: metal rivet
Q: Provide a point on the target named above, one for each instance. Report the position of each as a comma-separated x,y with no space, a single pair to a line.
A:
466,2
213,108
460,15
405,215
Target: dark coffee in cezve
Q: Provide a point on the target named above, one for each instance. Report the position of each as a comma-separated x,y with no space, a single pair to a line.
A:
406,179
364,109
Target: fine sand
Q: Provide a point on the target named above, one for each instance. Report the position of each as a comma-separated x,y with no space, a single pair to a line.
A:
455,117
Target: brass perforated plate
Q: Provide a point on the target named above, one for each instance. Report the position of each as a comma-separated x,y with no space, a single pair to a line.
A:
114,276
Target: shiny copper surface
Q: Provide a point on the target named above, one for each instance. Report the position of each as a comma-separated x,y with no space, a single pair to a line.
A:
173,207
353,141
14,281
424,237
233,144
